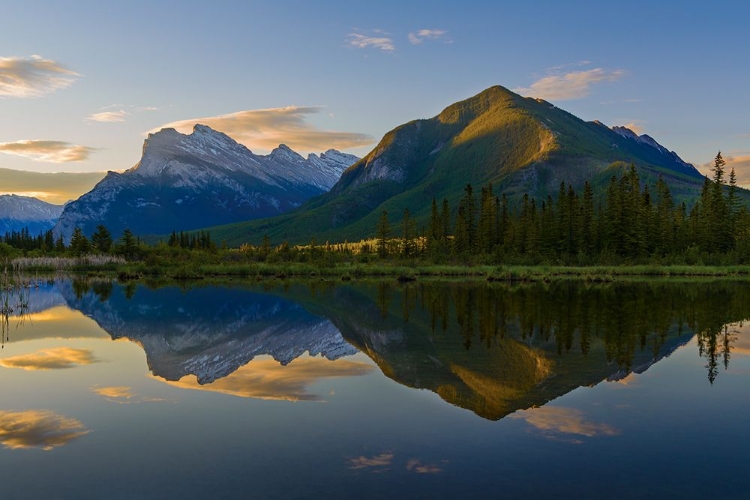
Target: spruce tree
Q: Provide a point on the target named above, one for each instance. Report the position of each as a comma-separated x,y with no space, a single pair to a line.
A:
101,239
383,234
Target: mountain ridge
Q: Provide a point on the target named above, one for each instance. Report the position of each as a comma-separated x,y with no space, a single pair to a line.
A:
521,145
190,181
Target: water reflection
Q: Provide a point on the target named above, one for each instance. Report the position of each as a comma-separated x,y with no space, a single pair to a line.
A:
38,429
267,379
58,358
490,348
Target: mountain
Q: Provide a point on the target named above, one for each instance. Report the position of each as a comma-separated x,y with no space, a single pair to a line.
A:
521,145
208,332
19,212
185,182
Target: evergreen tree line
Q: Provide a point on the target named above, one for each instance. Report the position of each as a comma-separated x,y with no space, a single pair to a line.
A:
191,241
101,242
630,222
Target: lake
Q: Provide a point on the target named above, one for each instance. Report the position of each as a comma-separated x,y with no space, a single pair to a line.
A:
375,390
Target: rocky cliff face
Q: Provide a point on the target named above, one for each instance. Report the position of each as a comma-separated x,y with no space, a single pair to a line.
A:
203,179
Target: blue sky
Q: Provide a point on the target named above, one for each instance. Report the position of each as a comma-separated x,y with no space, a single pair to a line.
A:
83,82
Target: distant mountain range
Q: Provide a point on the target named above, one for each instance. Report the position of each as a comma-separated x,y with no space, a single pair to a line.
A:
187,182
19,212
521,145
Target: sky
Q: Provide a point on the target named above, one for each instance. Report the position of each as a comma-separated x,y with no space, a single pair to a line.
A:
82,83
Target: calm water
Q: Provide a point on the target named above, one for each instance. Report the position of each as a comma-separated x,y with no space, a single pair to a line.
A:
376,391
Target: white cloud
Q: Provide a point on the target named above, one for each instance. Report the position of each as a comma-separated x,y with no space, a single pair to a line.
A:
265,129
420,36
572,85
48,151
555,419
108,116
33,76
360,41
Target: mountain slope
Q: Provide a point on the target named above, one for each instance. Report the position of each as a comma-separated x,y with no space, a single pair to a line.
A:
19,212
519,144
186,182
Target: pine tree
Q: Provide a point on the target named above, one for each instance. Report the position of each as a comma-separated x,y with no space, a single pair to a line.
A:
486,231
79,244
407,235
128,245
383,234
101,239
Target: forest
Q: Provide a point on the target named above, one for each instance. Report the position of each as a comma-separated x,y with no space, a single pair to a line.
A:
631,223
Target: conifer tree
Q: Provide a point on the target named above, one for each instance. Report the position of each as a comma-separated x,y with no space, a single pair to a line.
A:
383,234
101,240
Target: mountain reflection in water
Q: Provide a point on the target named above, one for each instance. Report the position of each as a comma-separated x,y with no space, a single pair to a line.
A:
490,348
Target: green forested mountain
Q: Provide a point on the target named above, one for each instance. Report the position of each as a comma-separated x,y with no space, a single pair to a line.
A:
521,145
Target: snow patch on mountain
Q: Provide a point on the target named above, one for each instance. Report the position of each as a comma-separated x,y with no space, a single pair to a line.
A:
19,212
650,141
202,179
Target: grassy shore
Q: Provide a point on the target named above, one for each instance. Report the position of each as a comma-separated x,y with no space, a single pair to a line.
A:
397,270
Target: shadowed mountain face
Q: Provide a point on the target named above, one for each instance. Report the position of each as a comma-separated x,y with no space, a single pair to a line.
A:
521,145
489,348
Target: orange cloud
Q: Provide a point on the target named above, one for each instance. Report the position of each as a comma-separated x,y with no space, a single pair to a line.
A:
47,151
265,129
58,358
638,129
265,378
115,393
38,429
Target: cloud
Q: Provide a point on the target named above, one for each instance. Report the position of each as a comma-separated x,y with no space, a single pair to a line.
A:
265,129
54,188
58,358
48,151
572,85
265,378
33,76
123,395
362,462
115,393
108,116
740,164
416,38
556,419
38,429
360,41
638,129
417,466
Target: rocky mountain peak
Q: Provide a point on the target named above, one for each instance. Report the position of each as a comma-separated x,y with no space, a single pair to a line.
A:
201,179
